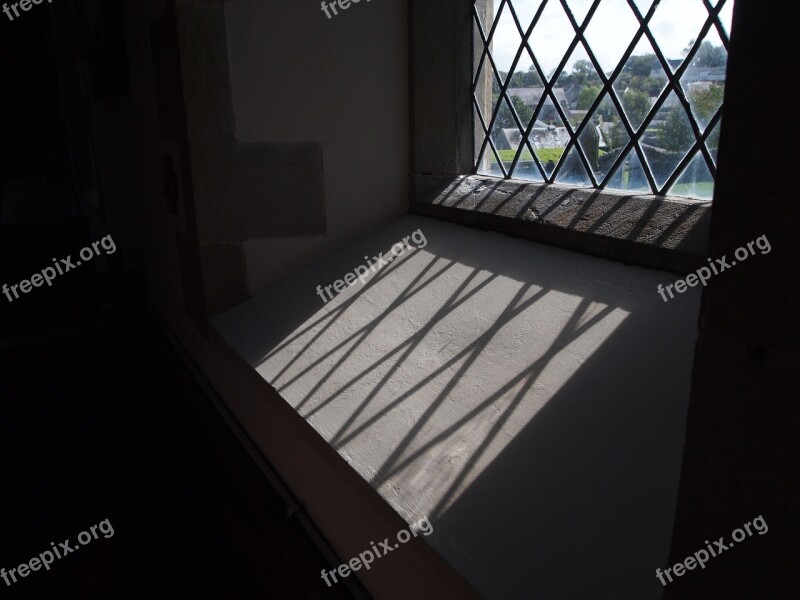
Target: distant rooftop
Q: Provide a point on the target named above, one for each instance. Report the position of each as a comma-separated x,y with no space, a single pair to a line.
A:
694,74
532,95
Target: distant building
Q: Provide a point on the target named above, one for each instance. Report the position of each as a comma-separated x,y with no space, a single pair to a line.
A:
532,95
695,74
511,136
704,74
573,93
674,63
700,86
509,139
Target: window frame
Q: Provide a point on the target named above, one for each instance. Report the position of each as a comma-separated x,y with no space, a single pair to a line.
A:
667,232
635,135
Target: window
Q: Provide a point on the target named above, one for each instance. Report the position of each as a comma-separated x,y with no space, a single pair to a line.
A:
618,94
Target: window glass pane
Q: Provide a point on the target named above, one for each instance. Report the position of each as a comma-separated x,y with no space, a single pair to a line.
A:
600,92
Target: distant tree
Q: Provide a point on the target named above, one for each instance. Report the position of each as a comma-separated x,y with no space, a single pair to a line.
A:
649,85
626,80
517,80
617,136
706,102
523,110
583,73
641,65
526,79
607,110
713,139
529,78
637,105
652,85
676,133
587,96
533,76
504,117
710,56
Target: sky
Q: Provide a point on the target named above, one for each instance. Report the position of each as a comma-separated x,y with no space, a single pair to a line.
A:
674,25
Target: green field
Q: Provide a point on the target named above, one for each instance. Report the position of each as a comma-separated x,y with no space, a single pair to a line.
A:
544,155
704,189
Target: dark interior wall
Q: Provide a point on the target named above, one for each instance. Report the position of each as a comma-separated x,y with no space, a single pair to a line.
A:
741,455
341,83
31,130
441,79
132,142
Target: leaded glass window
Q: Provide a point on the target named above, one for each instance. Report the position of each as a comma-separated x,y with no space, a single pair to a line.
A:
618,94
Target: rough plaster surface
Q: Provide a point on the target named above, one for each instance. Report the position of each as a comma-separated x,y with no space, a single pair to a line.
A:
242,191
345,84
246,191
529,400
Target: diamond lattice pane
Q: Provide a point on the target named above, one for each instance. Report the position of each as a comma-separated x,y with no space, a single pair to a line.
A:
572,171
668,139
506,42
562,86
630,176
579,9
696,180
610,31
526,167
676,24
549,137
551,37
640,82
506,134
526,11
579,85
612,139
703,81
525,74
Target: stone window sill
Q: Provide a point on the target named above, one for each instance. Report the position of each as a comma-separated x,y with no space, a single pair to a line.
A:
665,233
